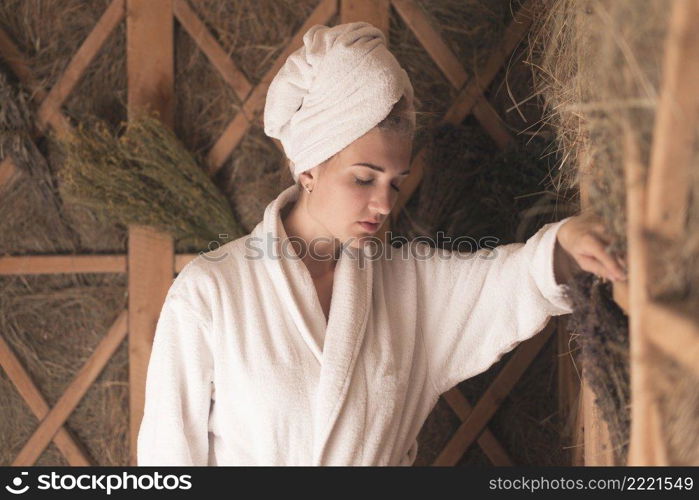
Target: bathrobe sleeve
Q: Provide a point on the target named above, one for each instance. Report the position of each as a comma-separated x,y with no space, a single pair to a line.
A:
477,306
174,429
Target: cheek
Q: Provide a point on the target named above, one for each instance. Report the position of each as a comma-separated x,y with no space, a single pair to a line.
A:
345,206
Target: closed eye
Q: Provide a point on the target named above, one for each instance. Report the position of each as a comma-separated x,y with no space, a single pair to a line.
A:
365,182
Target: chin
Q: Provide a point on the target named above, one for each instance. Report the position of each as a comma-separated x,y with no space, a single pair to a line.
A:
363,239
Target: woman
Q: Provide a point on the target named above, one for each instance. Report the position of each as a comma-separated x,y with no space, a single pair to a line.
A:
305,342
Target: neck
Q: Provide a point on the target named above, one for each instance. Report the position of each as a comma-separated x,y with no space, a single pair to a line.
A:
320,259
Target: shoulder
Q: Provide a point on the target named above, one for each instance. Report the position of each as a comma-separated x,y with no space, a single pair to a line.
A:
204,279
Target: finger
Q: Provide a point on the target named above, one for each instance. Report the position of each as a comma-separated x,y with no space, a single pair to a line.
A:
622,263
595,248
592,265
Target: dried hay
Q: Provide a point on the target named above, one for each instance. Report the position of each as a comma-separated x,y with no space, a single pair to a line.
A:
470,188
143,177
601,330
53,323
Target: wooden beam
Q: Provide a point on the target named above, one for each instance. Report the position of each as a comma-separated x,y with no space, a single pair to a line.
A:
491,400
646,444
492,123
593,430
66,443
211,48
238,127
150,66
182,260
569,381
466,99
660,208
620,294
676,123
59,264
598,448
151,268
375,12
451,67
57,416
486,440
415,18
18,64
75,264
673,329
578,447
78,64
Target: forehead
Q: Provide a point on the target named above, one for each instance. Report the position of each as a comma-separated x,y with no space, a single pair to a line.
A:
387,149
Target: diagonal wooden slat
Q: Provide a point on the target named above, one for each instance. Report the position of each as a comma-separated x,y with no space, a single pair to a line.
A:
67,444
8,172
673,329
18,63
237,128
56,417
469,96
491,399
451,67
375,12
79,63
466,99
487,441
208,44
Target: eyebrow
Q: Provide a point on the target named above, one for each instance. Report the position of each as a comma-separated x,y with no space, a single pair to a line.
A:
376,167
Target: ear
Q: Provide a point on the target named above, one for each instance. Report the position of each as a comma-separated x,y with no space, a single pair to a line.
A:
306,177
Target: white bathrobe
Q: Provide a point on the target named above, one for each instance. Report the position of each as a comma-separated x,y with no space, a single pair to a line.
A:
245,371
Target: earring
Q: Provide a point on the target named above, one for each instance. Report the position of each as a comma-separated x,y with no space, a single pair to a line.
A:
309,190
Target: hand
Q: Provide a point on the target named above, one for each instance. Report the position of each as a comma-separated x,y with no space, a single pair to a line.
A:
583,238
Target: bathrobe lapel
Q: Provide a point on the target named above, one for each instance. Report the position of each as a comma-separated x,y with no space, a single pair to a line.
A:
290,277
349,311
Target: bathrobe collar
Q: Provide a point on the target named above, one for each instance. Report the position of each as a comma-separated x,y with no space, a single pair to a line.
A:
349,311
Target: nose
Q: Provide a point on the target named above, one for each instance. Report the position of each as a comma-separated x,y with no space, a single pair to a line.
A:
383,201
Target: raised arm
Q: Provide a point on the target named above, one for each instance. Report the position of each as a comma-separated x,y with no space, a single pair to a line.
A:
478,306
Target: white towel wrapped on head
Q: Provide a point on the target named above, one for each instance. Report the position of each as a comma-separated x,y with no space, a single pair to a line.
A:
330,92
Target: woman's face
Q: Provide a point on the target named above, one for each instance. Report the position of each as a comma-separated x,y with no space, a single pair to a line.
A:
361,183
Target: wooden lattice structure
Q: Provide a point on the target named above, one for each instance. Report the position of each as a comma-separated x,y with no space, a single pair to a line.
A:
151,262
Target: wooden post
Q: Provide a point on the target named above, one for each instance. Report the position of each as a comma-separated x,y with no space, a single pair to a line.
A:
659,206
150,66
568,384
372,11
593,430
598,447
645,446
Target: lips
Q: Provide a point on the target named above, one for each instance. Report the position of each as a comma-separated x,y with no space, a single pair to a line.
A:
368,226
